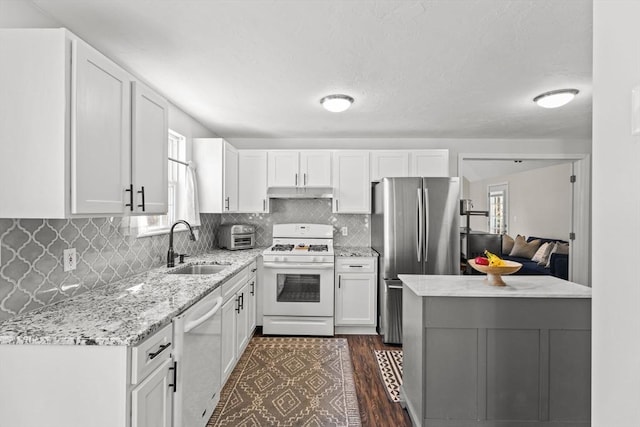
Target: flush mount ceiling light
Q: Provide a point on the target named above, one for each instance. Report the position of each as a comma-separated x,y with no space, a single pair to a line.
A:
555,98
336,103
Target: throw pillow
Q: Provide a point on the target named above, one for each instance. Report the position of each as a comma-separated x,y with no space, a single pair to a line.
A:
507,244
523,249
558,248
542,253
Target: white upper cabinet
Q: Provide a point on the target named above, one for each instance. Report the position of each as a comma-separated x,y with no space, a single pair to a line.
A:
389,164
283,168
70,116
100,139
352,187
217,172
315,169
230,188
252,181
149,150
299,169
429,163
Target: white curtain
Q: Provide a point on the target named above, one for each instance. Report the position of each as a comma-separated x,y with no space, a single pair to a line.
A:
189,208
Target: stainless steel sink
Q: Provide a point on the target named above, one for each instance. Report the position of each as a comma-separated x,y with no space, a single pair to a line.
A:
200,269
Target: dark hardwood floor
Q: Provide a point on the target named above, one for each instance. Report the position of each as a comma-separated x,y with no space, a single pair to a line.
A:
376,410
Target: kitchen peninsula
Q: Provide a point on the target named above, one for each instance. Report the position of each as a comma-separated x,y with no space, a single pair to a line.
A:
481,355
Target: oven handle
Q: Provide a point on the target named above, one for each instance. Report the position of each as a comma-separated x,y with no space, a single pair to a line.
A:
194,324
309,266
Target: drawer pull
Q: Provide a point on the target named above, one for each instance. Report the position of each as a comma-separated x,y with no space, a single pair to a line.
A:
155,354
356,266
253,270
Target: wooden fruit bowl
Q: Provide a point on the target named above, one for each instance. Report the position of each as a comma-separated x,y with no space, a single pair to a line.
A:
494,274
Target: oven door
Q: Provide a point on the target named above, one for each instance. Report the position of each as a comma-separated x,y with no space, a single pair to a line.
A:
298,289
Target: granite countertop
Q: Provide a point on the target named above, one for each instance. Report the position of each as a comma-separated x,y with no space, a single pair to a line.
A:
475,286
124,312
354,251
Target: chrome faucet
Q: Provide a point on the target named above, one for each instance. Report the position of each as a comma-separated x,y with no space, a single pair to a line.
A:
171,255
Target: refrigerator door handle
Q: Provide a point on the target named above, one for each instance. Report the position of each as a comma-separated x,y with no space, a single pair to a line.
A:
420,234
426,226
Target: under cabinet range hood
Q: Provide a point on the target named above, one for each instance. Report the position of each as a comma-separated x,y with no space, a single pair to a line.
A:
300,192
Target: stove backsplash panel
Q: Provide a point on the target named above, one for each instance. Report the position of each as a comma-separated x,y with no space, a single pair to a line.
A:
31,270
312,211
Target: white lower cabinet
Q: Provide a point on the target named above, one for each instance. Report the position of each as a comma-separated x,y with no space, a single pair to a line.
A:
238,317
355,295
229,322
151,400
97,385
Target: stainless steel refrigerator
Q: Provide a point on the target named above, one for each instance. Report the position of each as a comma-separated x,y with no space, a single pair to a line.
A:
415,229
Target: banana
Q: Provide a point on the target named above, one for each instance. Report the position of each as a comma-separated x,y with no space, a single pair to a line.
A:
494,260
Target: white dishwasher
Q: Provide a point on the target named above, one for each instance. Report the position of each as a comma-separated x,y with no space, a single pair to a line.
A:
197,338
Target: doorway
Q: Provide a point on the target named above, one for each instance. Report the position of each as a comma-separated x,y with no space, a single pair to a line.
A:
578,212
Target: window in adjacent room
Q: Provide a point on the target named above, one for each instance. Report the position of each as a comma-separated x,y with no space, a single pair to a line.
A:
158,224
498,195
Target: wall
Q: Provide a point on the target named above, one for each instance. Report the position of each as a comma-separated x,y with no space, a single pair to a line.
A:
539,202
312,211
616,217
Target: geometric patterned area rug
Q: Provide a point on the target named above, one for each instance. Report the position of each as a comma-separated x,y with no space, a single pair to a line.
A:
390,364
290,382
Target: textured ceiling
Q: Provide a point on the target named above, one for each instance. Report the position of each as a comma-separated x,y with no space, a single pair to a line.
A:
447,68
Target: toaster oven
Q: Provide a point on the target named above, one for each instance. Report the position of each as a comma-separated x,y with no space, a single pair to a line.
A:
236,236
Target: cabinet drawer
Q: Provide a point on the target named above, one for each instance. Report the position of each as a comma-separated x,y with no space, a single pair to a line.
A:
355,265
150,354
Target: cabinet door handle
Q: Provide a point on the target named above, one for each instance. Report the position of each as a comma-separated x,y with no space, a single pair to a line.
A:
264,204
305,178
142,193
296,179
242,301
339,280
336,205
174,368
238,304
130,190
226,202
253,288
155,354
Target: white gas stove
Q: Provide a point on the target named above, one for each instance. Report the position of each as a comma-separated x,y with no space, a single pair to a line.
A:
298,280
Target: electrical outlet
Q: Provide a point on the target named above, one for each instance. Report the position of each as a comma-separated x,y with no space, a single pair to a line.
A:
344,231
69,259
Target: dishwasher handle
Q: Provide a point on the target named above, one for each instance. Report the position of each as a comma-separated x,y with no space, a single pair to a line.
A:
195,323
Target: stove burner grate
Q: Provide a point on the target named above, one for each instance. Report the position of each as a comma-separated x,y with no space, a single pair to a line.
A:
282,248
318,248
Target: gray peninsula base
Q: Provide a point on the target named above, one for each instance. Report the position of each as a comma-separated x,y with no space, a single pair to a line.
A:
495,360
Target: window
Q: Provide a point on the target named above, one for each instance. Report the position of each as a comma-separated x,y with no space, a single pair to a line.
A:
157,224
498,208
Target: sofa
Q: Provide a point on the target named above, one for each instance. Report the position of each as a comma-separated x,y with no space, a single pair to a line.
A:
558,262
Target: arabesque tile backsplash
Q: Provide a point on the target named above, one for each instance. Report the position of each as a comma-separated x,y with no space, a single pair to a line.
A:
312,211
31,271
